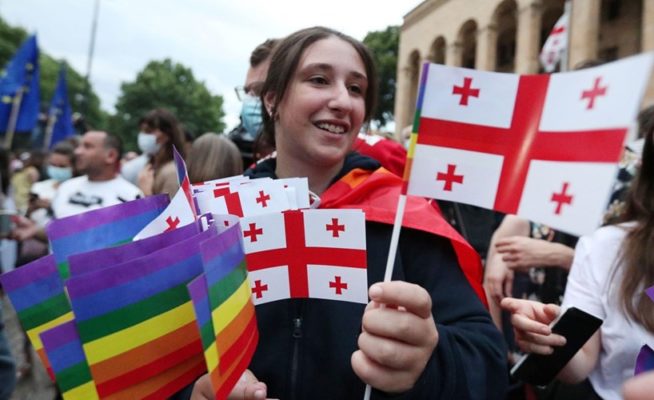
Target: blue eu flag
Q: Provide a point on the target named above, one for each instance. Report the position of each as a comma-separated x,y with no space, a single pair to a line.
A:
21,75
60,111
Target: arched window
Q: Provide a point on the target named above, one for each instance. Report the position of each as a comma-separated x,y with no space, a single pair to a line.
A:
505,19
437,54
468,40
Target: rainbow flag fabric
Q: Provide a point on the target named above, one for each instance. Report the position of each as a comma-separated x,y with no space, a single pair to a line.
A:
103,258
64,350
137,325
101,228
37,293
231,315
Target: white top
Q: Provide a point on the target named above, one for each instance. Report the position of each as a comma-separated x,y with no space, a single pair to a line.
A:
593,288
79,195
131,169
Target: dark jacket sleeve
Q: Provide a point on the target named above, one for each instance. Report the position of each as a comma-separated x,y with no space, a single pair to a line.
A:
469,361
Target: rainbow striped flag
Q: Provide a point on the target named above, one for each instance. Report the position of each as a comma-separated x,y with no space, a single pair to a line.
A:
37,294
98,259
64,350
101,228
232,317
137,325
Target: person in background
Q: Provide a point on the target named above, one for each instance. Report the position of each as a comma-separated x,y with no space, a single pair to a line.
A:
610,271
7,363
23,179
98,159
433,339
160,131
246,133
213,156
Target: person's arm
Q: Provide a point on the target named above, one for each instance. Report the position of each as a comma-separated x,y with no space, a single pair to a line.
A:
522,253
469,360
498,277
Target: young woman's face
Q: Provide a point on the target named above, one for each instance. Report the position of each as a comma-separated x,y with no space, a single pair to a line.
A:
324,105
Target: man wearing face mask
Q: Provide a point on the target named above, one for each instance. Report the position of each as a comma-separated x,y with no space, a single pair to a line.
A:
246,133
147,144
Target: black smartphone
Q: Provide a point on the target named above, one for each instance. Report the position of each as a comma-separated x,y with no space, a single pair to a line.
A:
577,327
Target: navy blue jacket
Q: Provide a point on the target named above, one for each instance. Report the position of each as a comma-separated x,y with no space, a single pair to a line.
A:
305,345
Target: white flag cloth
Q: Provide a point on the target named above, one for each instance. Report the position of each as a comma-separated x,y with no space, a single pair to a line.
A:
545,147
555,44
306,253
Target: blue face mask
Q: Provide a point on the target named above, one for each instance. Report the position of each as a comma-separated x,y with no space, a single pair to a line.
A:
59,173
251,115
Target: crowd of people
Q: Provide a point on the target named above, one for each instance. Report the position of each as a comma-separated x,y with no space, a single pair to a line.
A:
427,333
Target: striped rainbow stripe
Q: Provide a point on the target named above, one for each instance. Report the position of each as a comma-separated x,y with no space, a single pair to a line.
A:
101,228
232,312
37,294
64,350
137,324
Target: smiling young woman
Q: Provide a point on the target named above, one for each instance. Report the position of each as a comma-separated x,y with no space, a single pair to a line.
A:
434,339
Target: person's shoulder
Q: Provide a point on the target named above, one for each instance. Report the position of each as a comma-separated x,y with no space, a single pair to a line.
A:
611,233
73,182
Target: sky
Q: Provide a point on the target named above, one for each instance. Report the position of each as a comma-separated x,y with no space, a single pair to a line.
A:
212,37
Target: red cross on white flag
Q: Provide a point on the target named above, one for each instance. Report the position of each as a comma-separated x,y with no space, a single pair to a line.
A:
555,44
514,146
245,198
296,254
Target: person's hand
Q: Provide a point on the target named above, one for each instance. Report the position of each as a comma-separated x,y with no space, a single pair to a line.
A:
522,253
639,387
399,336
530,320
498,279
146,180
24,228
247,388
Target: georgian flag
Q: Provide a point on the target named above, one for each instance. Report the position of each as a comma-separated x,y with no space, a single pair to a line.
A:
180,211
555,45
306,253
544,147
253,197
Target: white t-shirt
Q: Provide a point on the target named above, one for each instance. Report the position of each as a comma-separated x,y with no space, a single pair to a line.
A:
592,287
79,195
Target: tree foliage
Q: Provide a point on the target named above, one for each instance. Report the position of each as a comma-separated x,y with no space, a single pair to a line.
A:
384,46
12,37
170,85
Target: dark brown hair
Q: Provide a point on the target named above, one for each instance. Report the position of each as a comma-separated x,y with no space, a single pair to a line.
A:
262,52
284,62
166,122
637,254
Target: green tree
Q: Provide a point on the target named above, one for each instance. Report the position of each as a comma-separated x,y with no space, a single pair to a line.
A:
166,84
384,46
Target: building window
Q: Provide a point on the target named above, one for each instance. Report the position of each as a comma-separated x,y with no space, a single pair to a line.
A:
610,10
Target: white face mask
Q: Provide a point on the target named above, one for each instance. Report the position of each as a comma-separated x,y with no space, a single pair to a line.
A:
147,143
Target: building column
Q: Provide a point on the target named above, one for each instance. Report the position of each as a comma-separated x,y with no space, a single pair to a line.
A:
647,26
453,54
528,38
584,31
486,51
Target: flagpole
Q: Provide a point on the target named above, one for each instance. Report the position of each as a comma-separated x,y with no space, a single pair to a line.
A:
13,118
52,120
567,10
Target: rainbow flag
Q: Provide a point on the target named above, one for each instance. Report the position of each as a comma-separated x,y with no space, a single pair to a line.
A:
101,228
137,325
233,318
64,350
37,294
95,260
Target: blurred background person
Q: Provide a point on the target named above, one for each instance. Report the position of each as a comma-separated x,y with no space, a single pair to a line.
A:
160,131
213,156
247,132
